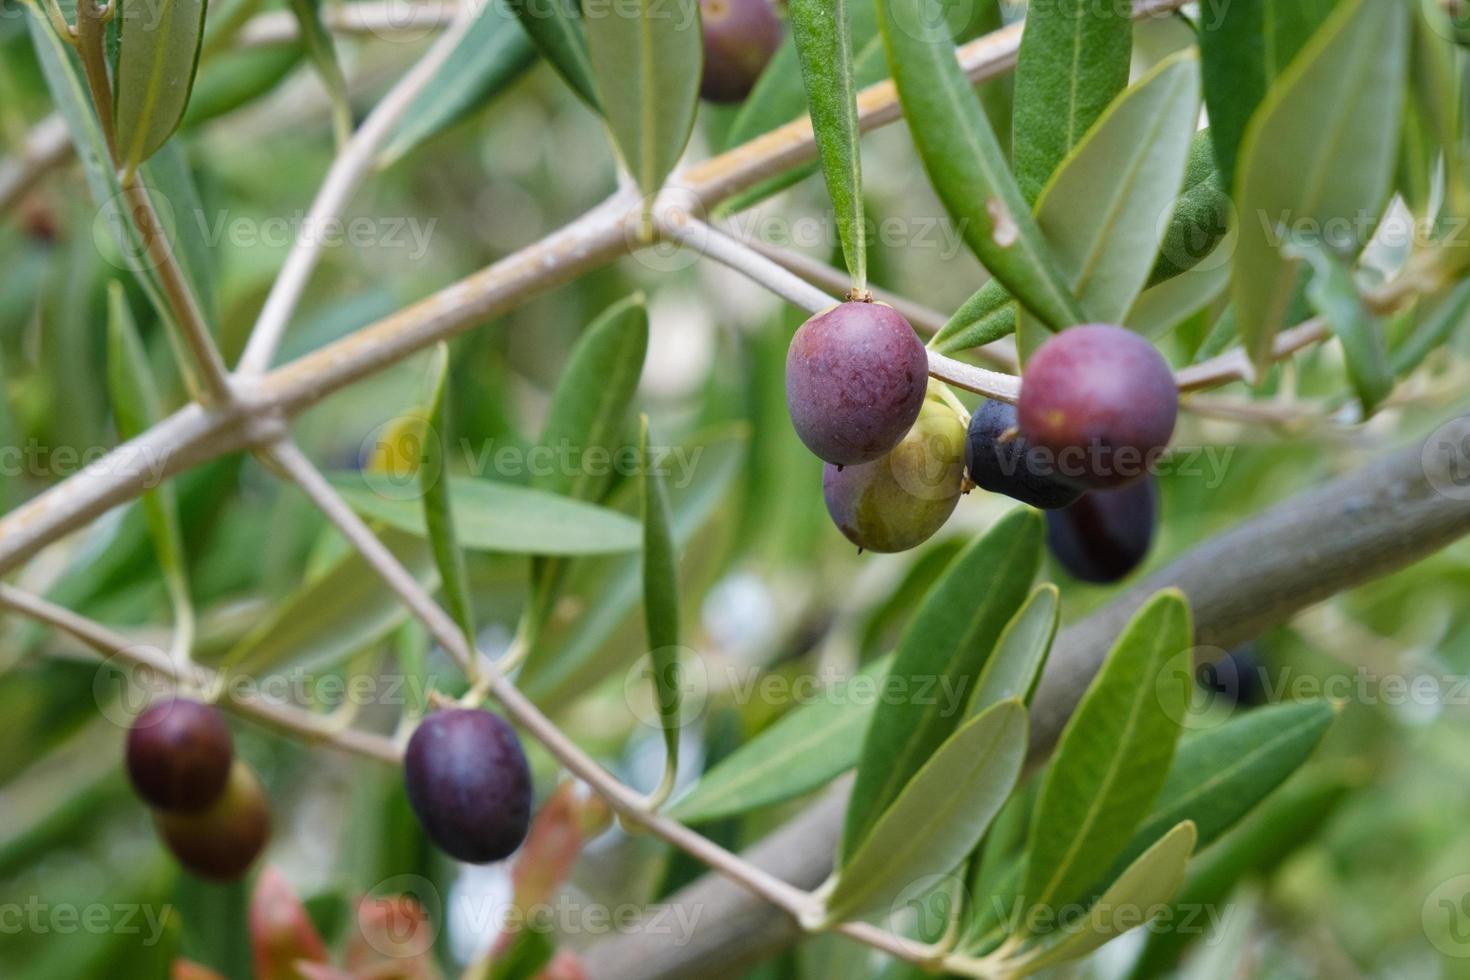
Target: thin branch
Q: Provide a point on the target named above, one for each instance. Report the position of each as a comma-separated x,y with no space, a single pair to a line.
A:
317,729
346,175
47,146
388,21
1235,364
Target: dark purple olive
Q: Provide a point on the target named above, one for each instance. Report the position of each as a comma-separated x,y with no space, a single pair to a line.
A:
899,501
1105,536
179,754
740,38
1237,678
1101,401
856,376
222,842
1001,460
469,783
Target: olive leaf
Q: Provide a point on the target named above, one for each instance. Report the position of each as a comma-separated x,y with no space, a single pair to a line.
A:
822,30
237,77
158,55
1073,61
1437,323
661,604
438,503
1314,157
322,51
940,815
1334,295
941,655
964,160
555,27
803,751
1111,760
647,57
1014,669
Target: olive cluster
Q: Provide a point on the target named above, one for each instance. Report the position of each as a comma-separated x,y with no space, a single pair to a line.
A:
1097,409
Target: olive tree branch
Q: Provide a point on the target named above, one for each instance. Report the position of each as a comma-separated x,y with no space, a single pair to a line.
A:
47,145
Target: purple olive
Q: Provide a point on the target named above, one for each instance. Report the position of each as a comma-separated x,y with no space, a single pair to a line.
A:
1001,460
855,381
1102,402
469,783
1105,536
222,842
179,754
740,38
899,501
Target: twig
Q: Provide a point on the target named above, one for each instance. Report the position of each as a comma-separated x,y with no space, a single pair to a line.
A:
47,145
346,175
1235,364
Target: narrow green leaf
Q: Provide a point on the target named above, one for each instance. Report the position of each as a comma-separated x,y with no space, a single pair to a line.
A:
1160,308
238,76
1140,894
159,54
822,30
1014,669
322,51
985,317
1245,46
1437,325
1105,210
939,659
494,52
964,160
502,517
169,176
1202,215
555,27
1073,61
1314,157
940,815
1334,295
647,57
438,505
803,751
661,603
1111,760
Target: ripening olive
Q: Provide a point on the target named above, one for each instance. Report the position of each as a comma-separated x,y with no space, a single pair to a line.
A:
179,754
1001,460
1105,536
740,37
223,841
855,381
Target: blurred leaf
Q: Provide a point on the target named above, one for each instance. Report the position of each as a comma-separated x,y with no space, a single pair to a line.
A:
1104,210
555,27
940,815
322,51
1160,308
1073,61
964,160
939,656
502,517
1014,669
1335,297
661,605
168,176
492,54
647,58
159,54
1111,759
1135,898
1245,45
1436,326
238,76
803,751
823,33
438,507
1314,156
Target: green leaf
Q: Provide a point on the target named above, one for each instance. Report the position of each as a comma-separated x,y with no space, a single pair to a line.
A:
965,162
438,505
492,54
661,603
590,405
168,175
237,77
1014,669
1141,893
803,751
136,408
985,317
1314,156
1438,323
647,57
1202,215
555,27
1245,45
1111,760
159,54
1073,61
1160,308
1103,213
940,815
322,51
1334,295
502,517
939,658
822,30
